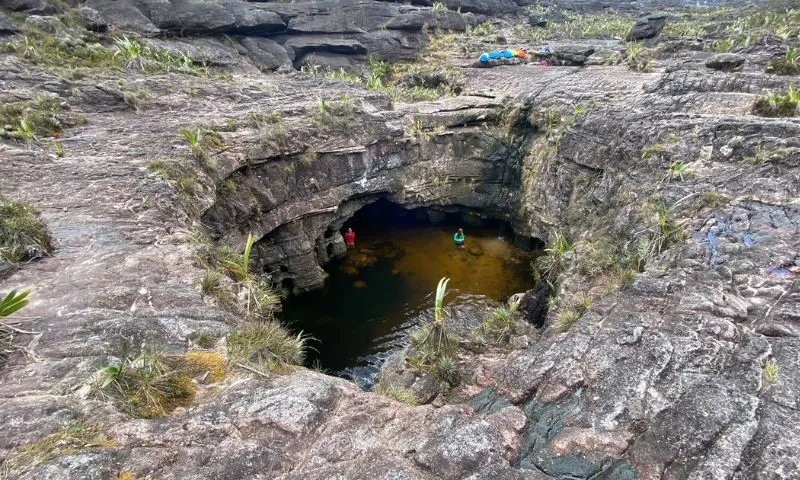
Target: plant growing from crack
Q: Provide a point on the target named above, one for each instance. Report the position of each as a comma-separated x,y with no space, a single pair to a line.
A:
435,349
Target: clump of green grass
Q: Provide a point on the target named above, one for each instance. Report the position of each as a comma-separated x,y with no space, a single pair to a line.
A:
771,372
637,57
76,436
273,128
203,339
556,257
201,139
266,347
661,229
40,117
565,319
147,385
396,392
180,176
23,234
569,314
498,326
9,304
788,65
258,119
47,50
713,200
778,104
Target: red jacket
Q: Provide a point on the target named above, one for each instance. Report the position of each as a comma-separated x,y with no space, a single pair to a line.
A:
350,238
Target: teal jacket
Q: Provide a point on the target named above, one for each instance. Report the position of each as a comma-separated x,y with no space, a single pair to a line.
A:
458,238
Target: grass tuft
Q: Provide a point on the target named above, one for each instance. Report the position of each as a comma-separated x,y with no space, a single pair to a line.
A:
771,372
147,385
266,346
396,392
778,104
23,234
78,436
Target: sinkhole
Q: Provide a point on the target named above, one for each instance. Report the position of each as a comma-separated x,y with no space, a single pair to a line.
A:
382,288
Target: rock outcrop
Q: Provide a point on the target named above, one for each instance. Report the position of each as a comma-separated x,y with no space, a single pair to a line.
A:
327,33
666,378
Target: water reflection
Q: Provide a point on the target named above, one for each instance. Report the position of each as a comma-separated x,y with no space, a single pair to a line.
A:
384,287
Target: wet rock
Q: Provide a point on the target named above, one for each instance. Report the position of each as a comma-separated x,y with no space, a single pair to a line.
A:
475,250
359,284
725,62
647,27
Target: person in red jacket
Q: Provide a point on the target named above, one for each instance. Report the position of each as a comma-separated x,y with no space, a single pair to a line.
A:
350,238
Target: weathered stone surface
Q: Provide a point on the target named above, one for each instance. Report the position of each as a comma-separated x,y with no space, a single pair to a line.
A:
725,61
44,22
662,378
30,6
266,53
93,20
122,14
301,45
6,25
573,54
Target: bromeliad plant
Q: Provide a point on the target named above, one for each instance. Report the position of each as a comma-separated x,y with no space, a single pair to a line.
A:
435,349
260,298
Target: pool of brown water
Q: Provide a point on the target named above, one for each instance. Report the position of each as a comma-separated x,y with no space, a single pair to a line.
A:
375,295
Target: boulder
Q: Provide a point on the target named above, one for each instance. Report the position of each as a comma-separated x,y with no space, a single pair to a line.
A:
334,61
267,54
303,44
483,7
647,27
418,19
194,16
93,20
122,14
46,23
573,54
6,25
30,6
725,61
393,45
202,50
251,18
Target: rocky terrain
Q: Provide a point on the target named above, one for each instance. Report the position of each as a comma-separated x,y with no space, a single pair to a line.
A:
684,368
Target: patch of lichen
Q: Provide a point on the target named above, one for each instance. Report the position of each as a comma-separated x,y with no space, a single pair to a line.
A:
78,436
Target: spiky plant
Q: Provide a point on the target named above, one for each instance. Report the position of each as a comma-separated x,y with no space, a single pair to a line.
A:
133,52
433,341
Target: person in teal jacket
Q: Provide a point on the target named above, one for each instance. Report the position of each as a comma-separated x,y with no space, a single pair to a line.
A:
459,238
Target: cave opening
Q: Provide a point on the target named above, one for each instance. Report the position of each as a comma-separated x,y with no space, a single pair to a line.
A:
381,289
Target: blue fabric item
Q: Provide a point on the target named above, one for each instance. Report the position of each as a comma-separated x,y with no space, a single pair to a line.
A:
748,242
780,272
484,58
496,55
507,53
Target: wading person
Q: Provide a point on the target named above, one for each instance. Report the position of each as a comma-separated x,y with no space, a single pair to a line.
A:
458,238
350,238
